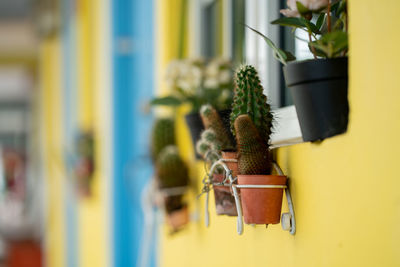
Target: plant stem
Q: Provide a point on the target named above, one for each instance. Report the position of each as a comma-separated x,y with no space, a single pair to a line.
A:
329,16
312,47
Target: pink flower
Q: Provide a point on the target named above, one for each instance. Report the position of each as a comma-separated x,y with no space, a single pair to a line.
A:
312,5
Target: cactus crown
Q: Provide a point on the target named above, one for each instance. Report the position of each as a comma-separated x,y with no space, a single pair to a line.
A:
163,134
171,169
249,99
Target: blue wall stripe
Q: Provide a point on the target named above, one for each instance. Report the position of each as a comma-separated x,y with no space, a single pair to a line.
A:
70,126
132,48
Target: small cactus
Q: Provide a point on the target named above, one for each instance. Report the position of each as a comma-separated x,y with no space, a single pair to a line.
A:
202,147
171,169
249,99
212,120
163,134
253,150
209,143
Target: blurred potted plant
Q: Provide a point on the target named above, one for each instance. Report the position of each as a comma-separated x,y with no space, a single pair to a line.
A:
196,82
172,174
251,120
318,86
85,166
217,139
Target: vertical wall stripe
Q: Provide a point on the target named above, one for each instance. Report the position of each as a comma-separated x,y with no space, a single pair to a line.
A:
50,62
92,226
70,126
132,49
103,116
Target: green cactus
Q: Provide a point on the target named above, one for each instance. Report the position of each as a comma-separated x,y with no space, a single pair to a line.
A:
171,169
209,143
212,120
172,172
249,99
202,147
163,134
253,150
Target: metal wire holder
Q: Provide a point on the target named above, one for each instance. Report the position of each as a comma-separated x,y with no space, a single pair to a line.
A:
288,221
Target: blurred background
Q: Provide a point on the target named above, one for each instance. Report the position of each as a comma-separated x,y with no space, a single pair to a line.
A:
76,80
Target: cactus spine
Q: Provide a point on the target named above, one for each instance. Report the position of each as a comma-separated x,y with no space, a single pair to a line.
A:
249,99
163,134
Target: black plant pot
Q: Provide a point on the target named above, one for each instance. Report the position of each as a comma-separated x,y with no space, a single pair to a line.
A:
193,121
319,91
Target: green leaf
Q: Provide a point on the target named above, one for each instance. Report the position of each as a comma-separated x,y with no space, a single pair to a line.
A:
320,21
281,55
288,21
302,9
289,56
332,44
166,101
334,7
310,26
342,8
297,23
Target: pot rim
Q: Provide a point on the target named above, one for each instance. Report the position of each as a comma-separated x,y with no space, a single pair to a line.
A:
316,59
313,70
264,176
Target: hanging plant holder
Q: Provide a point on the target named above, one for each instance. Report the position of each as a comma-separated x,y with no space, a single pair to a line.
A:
288,218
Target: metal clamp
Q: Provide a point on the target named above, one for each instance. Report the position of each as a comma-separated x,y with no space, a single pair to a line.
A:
288,221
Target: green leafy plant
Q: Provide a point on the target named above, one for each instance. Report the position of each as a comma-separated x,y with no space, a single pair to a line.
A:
251,122
325,22
197,82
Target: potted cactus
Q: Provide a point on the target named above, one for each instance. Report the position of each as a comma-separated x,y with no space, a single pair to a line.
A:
172,174
163,134
214,140
251,121
85,163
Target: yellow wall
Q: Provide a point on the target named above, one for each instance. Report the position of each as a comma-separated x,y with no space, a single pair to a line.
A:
92,223
52,130
345,190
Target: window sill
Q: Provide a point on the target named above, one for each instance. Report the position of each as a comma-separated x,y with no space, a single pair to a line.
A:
286,128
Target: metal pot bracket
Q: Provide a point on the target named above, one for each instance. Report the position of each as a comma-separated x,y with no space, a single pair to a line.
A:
288,221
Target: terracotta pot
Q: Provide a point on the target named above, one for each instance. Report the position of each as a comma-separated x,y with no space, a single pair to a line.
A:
261,205
224,201
233,166
178,218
